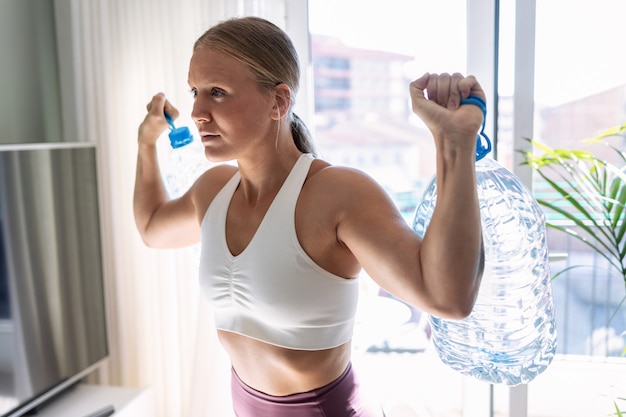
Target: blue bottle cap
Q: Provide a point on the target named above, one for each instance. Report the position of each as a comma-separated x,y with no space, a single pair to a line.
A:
179,136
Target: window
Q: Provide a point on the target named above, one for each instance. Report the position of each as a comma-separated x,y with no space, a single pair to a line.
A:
580,92
575,82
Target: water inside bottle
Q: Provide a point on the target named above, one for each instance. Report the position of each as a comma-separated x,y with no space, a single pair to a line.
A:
510,336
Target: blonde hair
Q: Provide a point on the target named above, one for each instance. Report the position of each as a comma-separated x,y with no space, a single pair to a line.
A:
271,56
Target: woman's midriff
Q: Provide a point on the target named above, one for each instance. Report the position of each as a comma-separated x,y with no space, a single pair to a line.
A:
278,371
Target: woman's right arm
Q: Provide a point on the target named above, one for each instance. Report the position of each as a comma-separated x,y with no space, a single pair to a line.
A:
162,222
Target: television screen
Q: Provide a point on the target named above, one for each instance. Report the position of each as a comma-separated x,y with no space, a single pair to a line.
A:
52,311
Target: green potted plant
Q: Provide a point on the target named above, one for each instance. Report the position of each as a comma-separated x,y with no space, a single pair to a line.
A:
590,193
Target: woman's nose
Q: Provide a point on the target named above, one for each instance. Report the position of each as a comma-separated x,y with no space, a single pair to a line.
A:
200,112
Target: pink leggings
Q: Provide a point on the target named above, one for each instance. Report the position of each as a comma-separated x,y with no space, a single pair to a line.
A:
340,398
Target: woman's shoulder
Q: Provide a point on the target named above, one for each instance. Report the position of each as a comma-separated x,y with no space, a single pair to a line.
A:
343,175
209,184
340,181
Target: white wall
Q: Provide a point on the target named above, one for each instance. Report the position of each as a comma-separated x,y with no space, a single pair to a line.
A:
29,90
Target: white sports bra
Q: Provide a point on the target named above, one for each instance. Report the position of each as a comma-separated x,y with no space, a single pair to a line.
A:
273,291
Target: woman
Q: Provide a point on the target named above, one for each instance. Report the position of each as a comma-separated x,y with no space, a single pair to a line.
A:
284,234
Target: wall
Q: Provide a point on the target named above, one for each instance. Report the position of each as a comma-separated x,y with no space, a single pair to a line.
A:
30,108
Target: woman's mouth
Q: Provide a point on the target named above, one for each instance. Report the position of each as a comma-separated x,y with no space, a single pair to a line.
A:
207,137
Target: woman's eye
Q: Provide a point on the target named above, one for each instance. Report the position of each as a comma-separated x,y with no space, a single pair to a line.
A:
216,92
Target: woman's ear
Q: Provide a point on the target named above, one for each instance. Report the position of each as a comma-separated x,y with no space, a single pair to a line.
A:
282,104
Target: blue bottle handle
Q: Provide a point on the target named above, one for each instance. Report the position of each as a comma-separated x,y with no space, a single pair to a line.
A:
179,136
481,149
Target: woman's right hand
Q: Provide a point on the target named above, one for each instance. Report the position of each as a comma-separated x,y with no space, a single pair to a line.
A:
161,221
453,125
154,124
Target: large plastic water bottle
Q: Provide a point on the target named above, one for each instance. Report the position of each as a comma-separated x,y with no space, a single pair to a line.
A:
510,336
185,159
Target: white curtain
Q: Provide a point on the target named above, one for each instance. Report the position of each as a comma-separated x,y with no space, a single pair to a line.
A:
122,53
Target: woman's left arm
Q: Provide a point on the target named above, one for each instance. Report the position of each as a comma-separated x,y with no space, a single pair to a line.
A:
441,273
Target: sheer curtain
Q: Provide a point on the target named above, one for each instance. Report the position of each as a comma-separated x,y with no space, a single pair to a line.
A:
121,52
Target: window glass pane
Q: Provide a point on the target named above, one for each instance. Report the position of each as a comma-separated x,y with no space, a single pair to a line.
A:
364,55
580,92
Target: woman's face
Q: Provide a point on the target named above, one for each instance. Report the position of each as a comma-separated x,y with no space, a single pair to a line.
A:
232,114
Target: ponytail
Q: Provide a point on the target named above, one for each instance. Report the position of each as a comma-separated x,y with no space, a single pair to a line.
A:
302,136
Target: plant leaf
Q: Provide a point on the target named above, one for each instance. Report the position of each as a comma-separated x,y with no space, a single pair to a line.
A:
613,131
564,270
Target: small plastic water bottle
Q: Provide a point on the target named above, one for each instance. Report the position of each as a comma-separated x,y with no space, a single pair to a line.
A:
185,161
510,336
